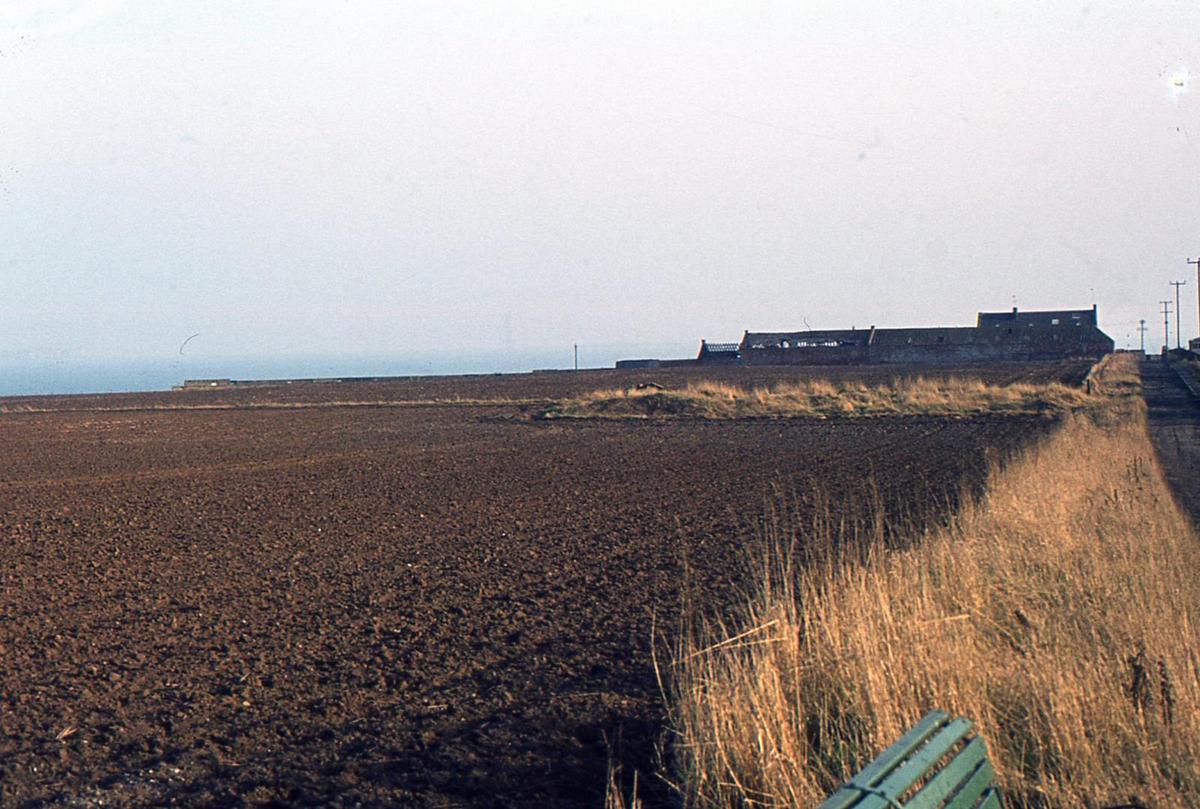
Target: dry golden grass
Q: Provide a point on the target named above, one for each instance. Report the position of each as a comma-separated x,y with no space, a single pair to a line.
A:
825,399
1115,375
615,797
1061,612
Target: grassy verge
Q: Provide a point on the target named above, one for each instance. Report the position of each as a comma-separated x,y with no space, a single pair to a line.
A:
823,399
1061,612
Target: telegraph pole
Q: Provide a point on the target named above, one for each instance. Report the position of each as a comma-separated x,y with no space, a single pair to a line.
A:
1142,331
577,356
1166,305
1177,285
1197,263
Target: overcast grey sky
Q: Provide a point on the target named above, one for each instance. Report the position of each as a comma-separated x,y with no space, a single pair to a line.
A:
356,177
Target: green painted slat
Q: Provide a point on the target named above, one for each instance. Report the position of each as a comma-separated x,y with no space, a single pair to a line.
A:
950,777
875,772
991,800
969,795
844,798
874,801
887,761
964,783
919,763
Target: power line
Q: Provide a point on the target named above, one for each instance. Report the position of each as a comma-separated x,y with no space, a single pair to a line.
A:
1178,311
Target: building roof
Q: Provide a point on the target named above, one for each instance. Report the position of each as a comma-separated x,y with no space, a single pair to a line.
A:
805,339
718,348
1054,317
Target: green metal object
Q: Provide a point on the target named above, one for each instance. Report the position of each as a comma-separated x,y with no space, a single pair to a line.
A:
937,755
991,800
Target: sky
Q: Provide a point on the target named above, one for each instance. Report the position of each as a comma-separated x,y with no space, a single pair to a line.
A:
350,179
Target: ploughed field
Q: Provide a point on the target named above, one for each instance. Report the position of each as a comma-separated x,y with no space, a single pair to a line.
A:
431,605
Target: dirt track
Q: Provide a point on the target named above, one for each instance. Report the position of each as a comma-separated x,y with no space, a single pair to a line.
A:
433,606
1174,420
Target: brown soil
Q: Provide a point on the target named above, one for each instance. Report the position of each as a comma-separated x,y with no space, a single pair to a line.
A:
431,606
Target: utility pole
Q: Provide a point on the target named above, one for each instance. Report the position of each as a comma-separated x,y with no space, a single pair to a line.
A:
1197,263
1142,330
1178,318
1166,305
577,356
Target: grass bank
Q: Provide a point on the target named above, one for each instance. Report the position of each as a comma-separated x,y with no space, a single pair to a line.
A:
1061,612
822,399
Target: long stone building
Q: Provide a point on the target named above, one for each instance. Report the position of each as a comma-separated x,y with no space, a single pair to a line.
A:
1013,336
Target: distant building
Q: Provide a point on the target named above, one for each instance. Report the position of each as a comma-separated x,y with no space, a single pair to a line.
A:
198,384
996,336
719,352
1013,336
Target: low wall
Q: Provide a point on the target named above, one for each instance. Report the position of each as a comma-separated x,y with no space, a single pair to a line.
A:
814,355
1189,374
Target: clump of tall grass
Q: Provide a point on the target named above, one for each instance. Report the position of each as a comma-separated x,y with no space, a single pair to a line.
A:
1061,612
1115,375
824,399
